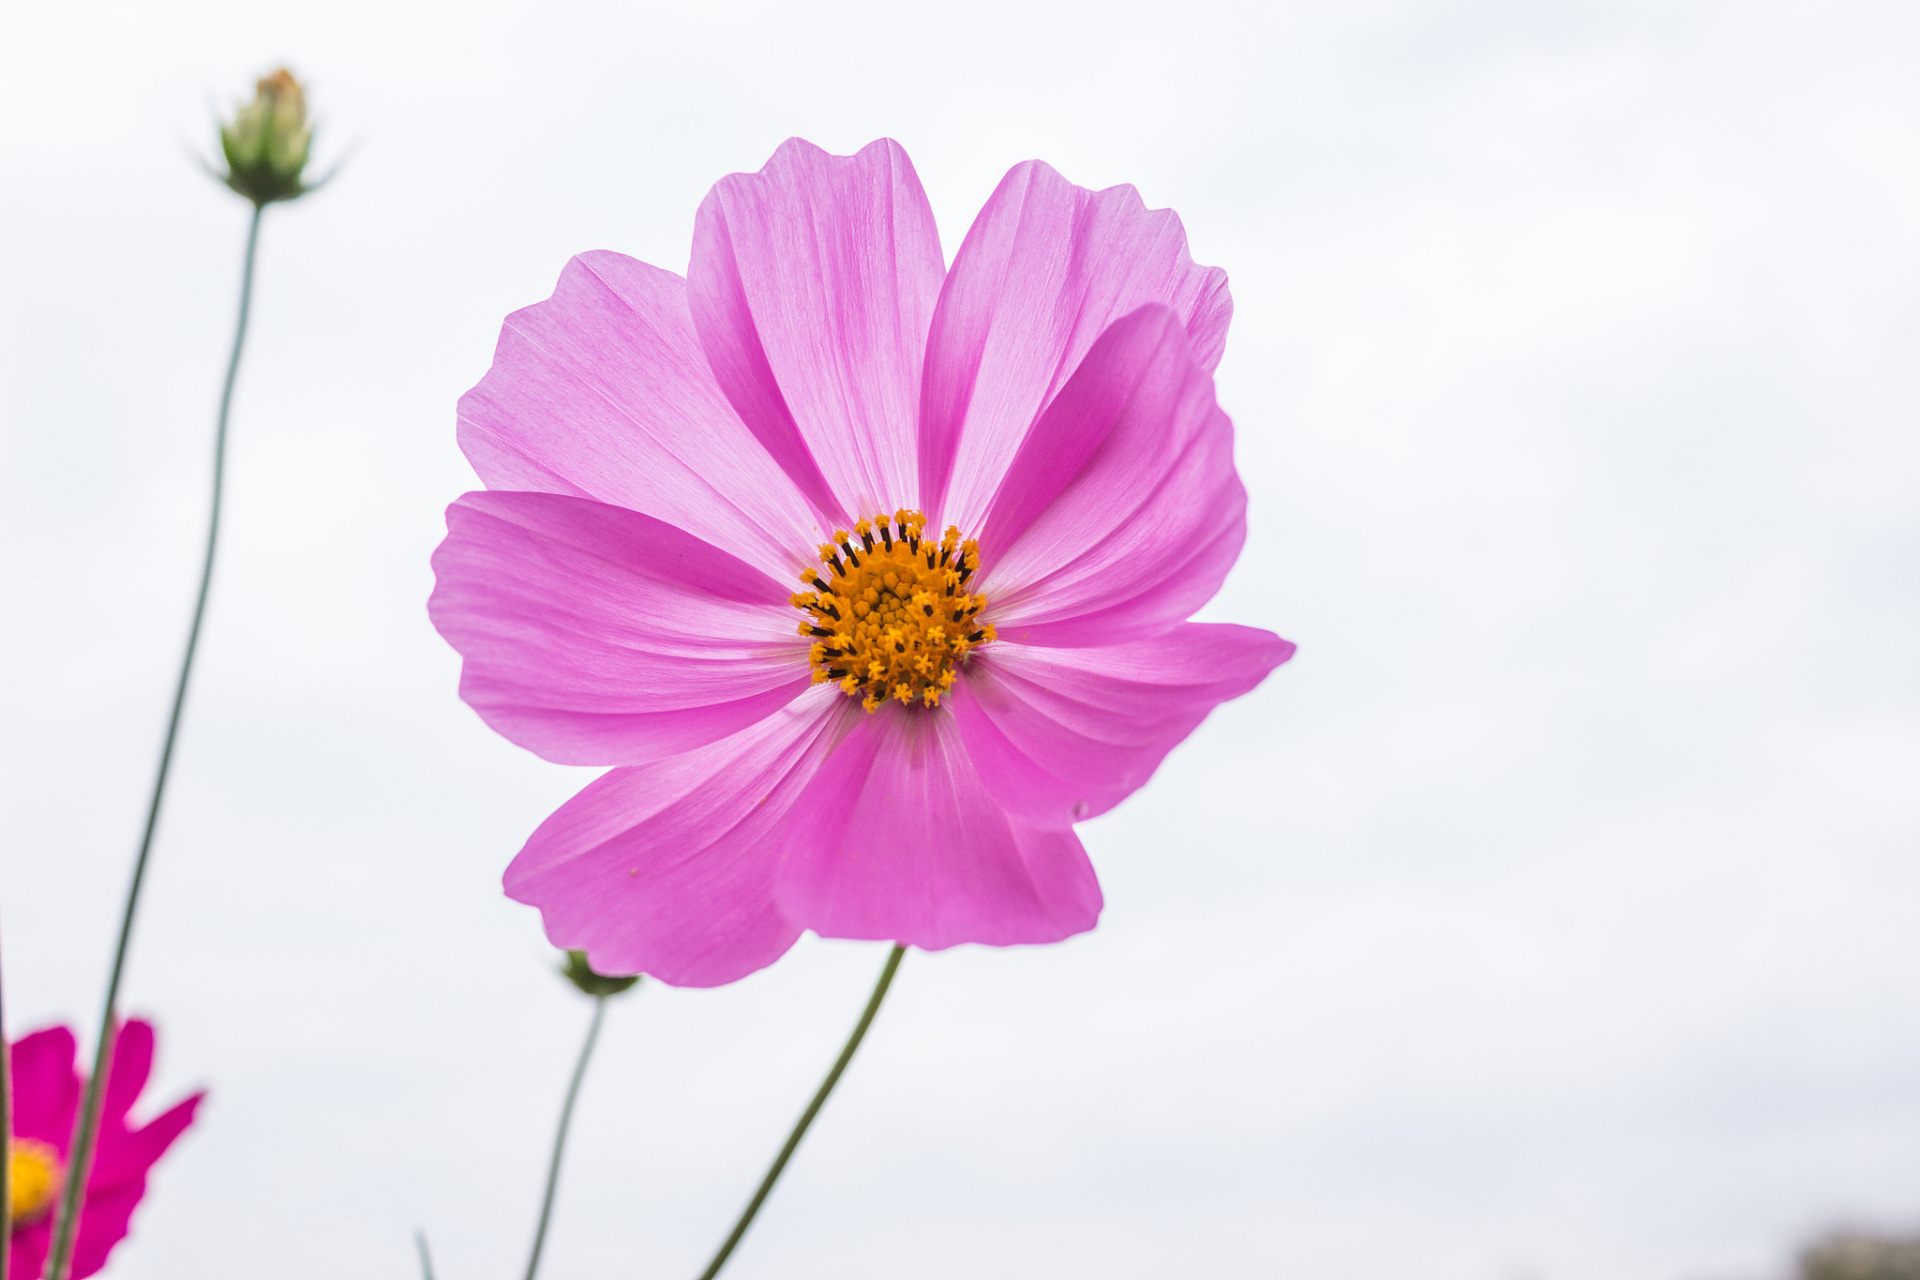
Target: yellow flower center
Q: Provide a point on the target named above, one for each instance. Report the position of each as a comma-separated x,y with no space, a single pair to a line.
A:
890,612
33,1176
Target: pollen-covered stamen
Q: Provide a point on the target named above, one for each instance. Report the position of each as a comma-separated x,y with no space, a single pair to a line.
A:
892,620
33,1176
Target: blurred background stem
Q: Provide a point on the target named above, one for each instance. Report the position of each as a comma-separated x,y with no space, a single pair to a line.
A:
6,1146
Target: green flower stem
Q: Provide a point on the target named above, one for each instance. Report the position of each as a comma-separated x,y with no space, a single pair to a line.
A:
560,1138
6,1147
426,1259
87,1124
806,1117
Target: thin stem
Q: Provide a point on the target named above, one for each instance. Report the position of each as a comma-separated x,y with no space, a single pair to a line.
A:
560,1138
426,1259
87,1123
6,1147
806,1117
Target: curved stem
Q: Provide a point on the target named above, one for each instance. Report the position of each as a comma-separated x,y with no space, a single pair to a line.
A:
87,1123
806,1117
560,1137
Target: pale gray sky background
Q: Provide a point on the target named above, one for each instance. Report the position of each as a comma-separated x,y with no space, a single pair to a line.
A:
1551,917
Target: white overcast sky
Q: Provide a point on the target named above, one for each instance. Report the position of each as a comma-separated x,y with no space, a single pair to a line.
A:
1551,917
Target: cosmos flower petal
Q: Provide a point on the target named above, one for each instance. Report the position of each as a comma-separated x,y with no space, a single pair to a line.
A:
898,838
813,282
119,1181
132,1063
667,869
127,1154
1046,267
602,391
1122,512
1131,382
596,635
104,1223
50,1089
1051,397
28,1255
45,1092
1060,735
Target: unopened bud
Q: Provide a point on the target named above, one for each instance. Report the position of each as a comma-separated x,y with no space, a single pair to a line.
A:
267,141
581,975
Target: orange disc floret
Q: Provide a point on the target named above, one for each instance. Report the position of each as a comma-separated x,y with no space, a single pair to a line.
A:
889,611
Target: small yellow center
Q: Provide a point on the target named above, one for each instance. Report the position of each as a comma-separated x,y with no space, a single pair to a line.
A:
890,612
33,1175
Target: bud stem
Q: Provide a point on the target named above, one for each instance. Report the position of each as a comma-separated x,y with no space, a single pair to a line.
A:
806,1117
560,1138
87,1124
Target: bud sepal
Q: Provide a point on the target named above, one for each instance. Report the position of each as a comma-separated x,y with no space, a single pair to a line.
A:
267,142
577,971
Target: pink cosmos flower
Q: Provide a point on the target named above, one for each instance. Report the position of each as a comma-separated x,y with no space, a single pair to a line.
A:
46,1097
1001,489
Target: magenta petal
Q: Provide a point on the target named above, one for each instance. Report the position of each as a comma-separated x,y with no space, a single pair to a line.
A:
1046,267
813,283
667,868
595,635
132,1063
602,391
126,1154
899,839
1065,734
118,1182
28,1253
46,1093
104,1222
1122,512
46,1096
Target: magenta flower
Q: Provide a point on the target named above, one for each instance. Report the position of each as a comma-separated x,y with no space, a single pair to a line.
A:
46,1094
1001,490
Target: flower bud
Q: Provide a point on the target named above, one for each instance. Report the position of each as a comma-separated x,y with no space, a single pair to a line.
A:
266,142
581,975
